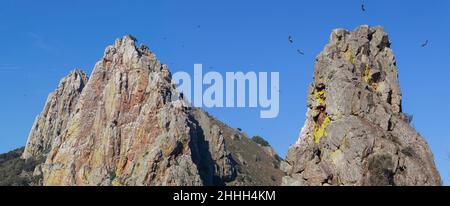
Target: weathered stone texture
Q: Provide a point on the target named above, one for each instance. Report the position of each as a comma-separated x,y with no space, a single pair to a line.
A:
355,132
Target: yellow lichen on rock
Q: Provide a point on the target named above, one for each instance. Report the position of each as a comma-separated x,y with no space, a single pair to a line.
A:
335,155
73,126
321,124
321,97
56,178
320,130
366,74
344,142
368,78
97,158
116,183
120,165
110,91
349,56
338,179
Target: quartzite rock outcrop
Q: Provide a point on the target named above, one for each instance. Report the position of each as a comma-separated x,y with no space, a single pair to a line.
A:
49,125
128,125
355,132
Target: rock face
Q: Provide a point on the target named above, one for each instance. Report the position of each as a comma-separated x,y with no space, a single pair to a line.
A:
128,125
58,109
355,132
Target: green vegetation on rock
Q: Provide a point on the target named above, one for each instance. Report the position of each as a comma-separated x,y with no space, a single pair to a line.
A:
261,141
15,171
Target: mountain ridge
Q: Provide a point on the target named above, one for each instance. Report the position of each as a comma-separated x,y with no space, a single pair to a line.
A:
127,124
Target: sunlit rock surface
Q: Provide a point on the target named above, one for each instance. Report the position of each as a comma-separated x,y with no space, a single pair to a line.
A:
355,132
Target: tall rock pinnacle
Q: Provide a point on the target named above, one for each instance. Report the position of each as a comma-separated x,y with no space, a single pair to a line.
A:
128,126
355,132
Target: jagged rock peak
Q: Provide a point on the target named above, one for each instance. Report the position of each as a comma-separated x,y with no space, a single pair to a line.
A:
125,49
128,126
367,54
127,130
355,132
58,108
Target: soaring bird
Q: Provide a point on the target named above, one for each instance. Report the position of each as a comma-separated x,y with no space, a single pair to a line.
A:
425,44
300,52
291,40
363,7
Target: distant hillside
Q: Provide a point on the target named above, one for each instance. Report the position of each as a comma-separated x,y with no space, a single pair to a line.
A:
15,171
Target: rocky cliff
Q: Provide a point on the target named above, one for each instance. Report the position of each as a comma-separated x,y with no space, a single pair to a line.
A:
128,125
355,132
58,110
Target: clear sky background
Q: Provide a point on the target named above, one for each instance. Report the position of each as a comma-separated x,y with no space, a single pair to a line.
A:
41,41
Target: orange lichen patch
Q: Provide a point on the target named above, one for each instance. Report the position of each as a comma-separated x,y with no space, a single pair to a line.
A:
374,86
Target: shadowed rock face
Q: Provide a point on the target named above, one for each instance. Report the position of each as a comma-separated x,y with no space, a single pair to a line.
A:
355,132
127,125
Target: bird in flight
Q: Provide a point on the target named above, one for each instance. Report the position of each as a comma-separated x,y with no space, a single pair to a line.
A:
300,52
363,7
425,44
291,40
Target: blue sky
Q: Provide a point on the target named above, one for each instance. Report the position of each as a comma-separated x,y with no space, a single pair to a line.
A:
41,41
